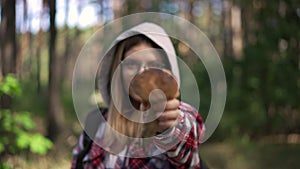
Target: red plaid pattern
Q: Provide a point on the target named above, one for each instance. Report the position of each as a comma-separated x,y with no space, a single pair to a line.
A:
182,144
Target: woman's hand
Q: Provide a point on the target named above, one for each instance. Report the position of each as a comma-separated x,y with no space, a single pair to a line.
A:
168,118
156,90
166,113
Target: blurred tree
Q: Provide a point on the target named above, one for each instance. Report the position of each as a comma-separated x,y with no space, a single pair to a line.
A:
8,37
226,17
133,6
8,44
40,39
56,114
66,55
118,8
264,84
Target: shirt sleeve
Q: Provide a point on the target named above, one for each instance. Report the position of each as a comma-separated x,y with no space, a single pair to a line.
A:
77,149
181,143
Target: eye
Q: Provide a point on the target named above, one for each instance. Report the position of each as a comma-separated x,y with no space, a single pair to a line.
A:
157,65
130,64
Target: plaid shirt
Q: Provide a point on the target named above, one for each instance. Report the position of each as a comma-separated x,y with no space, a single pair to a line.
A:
182,144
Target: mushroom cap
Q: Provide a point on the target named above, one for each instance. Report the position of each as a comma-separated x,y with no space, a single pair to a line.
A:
150,79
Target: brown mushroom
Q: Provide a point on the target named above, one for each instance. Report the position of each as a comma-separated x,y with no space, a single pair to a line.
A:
150,79
143,89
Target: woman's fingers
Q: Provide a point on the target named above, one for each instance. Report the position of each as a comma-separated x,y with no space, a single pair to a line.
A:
172,104
169,115
167,120
166,113
165,106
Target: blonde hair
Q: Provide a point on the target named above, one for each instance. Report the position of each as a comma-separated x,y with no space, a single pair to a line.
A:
115,119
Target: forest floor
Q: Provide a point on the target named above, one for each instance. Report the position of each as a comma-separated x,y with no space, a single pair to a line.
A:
233,155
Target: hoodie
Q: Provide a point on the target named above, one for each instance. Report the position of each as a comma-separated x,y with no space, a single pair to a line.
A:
154,33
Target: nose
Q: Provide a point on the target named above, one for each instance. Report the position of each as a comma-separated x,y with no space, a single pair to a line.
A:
143,67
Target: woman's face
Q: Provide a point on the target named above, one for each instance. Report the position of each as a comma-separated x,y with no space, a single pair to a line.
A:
137,59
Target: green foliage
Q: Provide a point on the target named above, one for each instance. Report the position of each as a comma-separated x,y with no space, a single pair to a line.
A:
17,128
36,143
10,86
4,166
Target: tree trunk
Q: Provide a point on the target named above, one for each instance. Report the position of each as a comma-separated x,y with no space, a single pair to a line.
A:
66,55
8,37
228,50
55,114
133,6
8,46
117,9
237,38
40,40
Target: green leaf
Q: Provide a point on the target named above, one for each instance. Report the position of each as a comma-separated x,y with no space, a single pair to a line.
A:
25,120
23,140
10,86
39,144
1,147
6,89
5,166
7,120
4,140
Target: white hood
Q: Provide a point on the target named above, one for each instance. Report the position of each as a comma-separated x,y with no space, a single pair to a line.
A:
150,30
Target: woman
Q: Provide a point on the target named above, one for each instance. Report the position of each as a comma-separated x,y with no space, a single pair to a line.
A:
178,128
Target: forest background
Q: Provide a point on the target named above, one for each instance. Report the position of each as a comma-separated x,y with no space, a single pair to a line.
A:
258,42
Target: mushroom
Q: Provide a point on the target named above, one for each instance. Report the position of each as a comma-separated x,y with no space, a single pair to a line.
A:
151,79
152,86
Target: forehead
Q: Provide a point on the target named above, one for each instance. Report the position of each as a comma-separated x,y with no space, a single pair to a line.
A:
144,52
